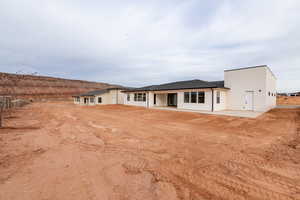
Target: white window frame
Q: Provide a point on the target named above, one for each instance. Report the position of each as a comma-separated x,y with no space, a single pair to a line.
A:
92,99
189,97
199,96
218,96
128,97
140,97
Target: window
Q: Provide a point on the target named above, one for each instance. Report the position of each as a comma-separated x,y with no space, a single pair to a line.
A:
92,100
193,97
269,93
77,99
99,99
201,97
135,96
139,96
186,97
218,97
128,97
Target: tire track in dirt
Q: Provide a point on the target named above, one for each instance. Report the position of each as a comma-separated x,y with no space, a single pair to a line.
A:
245,187
85,178
255,173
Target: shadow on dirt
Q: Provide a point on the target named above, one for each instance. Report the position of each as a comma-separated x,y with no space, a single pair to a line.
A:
19,128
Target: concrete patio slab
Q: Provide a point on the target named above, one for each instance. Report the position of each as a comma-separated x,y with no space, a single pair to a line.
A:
288,106
233,113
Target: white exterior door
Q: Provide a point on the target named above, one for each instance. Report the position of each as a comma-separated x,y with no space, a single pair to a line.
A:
249,100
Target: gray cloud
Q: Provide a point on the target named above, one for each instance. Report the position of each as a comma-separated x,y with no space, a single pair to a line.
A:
137,43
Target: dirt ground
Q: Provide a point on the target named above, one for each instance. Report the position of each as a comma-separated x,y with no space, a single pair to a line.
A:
288,100
59,151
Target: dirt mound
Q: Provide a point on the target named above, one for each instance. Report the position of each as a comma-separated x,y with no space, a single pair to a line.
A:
42,87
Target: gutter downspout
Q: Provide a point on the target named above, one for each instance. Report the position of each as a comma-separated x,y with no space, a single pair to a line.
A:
212,100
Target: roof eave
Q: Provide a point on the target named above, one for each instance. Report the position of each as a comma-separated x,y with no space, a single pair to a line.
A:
174,89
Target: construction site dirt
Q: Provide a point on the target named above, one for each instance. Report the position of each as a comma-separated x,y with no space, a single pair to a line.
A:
60,151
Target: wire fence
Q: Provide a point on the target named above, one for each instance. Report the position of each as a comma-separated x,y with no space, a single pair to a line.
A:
7,102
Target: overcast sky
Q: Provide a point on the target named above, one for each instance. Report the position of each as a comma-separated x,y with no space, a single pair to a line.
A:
136,43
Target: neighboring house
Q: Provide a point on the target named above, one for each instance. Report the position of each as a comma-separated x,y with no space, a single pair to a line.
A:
251,88
97,97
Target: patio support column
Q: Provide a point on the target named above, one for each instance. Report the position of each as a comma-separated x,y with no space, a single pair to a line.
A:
212,100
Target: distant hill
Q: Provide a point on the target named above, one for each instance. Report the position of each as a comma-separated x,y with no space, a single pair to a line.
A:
43,87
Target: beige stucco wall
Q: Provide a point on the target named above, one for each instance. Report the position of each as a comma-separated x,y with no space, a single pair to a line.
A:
249,79
114,96
82,101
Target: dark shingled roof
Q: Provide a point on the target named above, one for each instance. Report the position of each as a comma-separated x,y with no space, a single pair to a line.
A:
98,92
94,92
191,84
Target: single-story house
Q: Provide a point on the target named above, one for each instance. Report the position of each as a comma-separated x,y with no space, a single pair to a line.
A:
104,96
250,88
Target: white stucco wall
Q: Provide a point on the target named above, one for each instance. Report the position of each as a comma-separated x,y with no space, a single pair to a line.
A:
195,106
249,79
223,100
162,100
132,102
120,97
270,87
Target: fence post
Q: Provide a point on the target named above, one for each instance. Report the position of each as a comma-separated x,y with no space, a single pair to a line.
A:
1,112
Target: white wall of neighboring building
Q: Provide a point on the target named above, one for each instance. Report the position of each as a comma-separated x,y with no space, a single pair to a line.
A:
243,81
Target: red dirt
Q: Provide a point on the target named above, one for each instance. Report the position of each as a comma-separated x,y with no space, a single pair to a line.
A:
61,151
